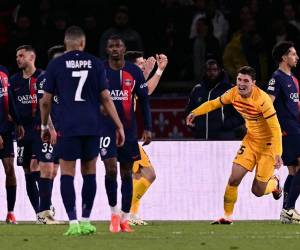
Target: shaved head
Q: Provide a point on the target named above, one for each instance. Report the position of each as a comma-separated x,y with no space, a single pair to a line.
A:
74,38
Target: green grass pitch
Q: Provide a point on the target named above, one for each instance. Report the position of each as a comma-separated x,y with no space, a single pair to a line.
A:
242,235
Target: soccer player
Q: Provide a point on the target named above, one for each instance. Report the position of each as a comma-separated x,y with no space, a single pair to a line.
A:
125,81
283,89
261,147
24,92
79,81
45,151
143,171
7,116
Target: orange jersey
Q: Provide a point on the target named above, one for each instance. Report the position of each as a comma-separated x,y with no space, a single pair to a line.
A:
257,110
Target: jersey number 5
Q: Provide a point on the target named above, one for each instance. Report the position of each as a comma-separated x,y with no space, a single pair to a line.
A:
82,74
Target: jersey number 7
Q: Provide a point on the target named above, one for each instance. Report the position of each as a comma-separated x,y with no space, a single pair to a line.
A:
83,74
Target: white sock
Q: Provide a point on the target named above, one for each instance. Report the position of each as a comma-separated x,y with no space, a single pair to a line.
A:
124,216
73,222
85,219
114,210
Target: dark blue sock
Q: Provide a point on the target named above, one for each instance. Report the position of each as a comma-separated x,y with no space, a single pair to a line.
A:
51,188
126,191
68,195
294,191
286,189
32,192
45,193
11,197
111,187
88,193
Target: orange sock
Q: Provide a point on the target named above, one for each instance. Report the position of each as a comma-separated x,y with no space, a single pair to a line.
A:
139,189
230,198
271,186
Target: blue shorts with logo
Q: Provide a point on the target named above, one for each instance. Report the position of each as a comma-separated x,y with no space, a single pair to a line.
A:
72,148
25,147
129,152
44,151
291,149
8,145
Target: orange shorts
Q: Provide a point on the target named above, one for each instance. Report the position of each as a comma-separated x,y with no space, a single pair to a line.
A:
143,162
259,154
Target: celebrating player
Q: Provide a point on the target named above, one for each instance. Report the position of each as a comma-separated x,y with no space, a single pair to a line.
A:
284,91
261,147
125,81
143,171
78,79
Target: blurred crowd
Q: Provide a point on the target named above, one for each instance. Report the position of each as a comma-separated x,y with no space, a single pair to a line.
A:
189,32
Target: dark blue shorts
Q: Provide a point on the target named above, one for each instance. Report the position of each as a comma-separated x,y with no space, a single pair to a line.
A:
291,149
129,152
44,151
25,152
8,146
77,147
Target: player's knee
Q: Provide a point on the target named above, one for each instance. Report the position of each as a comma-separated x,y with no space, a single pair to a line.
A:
11,180
233,181
258,192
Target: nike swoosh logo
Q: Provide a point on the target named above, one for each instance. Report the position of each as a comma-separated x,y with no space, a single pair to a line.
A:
262,104
290,215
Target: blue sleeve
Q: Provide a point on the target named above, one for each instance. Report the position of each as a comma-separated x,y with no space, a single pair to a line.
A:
50,83
141,91
40,83
102,79
12,107
274,86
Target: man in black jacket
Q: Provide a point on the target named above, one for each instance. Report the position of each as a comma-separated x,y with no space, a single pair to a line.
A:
219,124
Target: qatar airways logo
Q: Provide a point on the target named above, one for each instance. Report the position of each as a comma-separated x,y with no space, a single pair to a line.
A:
55,99
27,99
294,97
119,95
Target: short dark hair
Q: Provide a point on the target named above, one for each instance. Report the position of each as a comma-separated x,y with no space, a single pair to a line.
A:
281,49
54,50
131,56
210,62
247,70
26,47
74,32
115,37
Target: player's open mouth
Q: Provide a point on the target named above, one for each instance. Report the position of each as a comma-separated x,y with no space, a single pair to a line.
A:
242,88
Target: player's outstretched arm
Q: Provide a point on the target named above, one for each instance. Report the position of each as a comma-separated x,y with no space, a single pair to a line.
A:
110,109
274,126
152,83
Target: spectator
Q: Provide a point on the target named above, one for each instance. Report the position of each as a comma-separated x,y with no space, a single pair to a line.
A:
121,28
219,124
204,46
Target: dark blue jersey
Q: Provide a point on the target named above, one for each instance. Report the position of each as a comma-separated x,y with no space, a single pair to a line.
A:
286,90
40,83
77,78
7,106
124,86
24,92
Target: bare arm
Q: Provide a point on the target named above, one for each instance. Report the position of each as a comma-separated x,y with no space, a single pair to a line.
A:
162,62
45,107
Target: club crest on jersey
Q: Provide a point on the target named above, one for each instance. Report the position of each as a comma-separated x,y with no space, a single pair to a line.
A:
272,82
128,82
